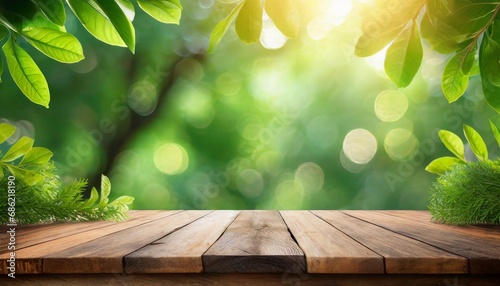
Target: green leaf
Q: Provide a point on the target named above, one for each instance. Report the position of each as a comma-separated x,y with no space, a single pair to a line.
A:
96,22
441,165
120,21
6,130
125,200
20,148
27,176
404,56
495,132
60,46
165,11
221,27
53,10
452,143
92,200
3,32
105,190
476,143
1,171
489,64
249,22
384,23
36,156
285,16
127,8
455,76
26,74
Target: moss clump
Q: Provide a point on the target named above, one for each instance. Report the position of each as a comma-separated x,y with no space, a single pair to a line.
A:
467,194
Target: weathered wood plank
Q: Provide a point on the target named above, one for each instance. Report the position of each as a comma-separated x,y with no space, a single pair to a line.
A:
36,234
256,241
29,259
483,231
181,251
327,249
210,279
105,254
401,254
483,254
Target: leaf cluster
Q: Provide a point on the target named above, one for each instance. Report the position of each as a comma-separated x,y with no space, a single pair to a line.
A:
39,194
468,30
41,23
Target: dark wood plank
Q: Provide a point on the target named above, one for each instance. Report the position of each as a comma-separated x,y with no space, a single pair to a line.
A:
401,254
35,234
209,279
256,241
483,231
181,251
105,254
29,259
327,249
483,254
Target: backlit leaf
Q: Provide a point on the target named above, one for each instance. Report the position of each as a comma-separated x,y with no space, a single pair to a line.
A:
249,22
452,143
455,76
489,64
165,11
285,16
26,73
6,130
37,156
404,56
55,44
476,143
221,27
127,8
120,21
495,132
53,10
441,165
20,148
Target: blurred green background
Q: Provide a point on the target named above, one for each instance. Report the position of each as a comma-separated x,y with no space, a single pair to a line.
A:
284,124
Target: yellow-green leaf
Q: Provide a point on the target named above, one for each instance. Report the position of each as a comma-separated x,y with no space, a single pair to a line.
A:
26,74
495,132
489,64
20,148
249,22
53,10
6,130
456,74
476,143
404,56
441,165
36,156
285,16
452,143
165,11
221,27
120,21
127,8
105,188
60,46
27,176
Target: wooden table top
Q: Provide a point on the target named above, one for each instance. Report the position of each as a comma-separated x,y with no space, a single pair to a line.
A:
328,242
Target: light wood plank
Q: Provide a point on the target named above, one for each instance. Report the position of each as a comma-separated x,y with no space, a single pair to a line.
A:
484,231
29,259
181,251
327,249
256,241
105,254
401,254
483,254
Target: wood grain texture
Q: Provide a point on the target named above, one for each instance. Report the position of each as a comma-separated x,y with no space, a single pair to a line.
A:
483,254
327,249
105,254
479,230
210,279
401,254
256,242
181,251
29,259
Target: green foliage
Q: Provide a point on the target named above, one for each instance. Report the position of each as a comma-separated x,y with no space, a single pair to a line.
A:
450,27
39,194
42,24
467,194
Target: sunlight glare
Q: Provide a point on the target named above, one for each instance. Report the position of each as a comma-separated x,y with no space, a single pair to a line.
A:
338,12
271,38
391,105
360,146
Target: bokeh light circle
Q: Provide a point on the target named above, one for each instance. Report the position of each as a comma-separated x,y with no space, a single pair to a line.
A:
391,105
399,143
360,146
171,159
